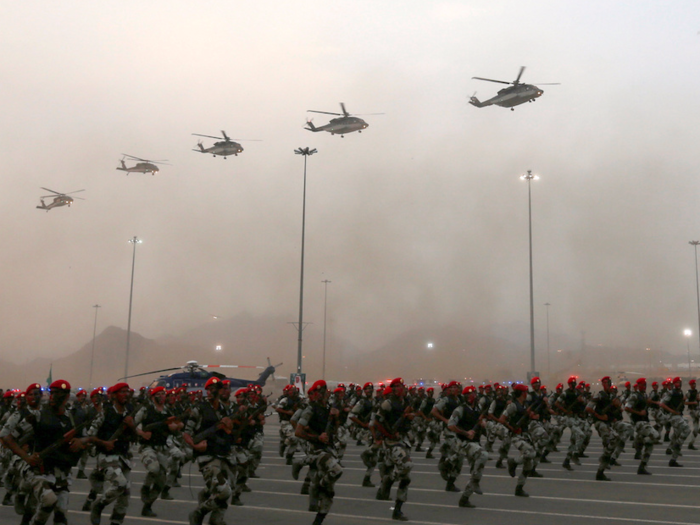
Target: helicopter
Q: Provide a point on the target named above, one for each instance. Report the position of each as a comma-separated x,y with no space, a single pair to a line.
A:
195,376
345,123
59,199
144,166
511,96
224,147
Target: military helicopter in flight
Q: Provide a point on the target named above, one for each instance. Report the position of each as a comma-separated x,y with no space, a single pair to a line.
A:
143,166
515,95
345,123
224,147
59,199
195,376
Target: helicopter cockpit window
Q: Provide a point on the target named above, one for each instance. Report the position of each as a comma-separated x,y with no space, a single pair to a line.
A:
200,374
157,382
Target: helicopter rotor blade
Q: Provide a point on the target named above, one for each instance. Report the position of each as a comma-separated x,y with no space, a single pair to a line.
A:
152,372
324,112
491,80
517,80
231,366
547,83
366,114
208,136
47,189
135,158
71,192
225,136
345,111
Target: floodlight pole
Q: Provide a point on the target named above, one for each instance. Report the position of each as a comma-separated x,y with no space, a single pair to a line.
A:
697,285
306,152
325,309
133,241
530,177
94,335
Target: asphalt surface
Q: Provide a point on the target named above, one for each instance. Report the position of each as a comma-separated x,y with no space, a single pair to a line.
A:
670,496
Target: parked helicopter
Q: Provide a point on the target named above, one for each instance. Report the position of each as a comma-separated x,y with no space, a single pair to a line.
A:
511,96
195,376
59,199
143,166
345,123
224,147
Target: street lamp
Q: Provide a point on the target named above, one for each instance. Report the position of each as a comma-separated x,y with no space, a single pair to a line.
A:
306,152
133,241
529,178
94,334
325,305
549,368
697,284
687,333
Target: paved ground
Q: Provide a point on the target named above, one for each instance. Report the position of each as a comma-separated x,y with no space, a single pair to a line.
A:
669,496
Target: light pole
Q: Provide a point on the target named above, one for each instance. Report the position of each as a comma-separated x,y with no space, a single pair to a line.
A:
549,369
325,309
306,152
529,178
133,241
697,285
94,335
687,333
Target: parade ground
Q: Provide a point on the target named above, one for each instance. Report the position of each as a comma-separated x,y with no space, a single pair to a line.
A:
669,496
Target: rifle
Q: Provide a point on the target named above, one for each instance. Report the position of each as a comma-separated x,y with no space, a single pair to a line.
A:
223,424
66,438
152,426
244,422
124,425
529,410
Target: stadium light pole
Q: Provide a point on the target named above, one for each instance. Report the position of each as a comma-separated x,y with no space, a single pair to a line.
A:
694,244
306,152
549,368
687,333
94,335
529,178
135,240
325,310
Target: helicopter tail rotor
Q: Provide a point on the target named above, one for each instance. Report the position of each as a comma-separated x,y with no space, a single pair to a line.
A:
310,125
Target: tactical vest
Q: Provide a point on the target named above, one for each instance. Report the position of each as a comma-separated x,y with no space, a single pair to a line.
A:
639,403
364,411
112,422
676,401
49,429
516,420
449,407
469,419
218,444
392,417
693,397
427,405
501,405
159,435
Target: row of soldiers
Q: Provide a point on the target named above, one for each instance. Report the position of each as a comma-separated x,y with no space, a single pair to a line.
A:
43,441
391,421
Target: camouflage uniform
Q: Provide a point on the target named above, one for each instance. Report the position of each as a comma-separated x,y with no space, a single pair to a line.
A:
601,404
675,400
645,436
692,400
517,419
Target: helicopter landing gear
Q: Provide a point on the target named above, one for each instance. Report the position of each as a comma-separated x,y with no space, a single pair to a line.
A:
214,156
224,158
512,109
342,136
359,131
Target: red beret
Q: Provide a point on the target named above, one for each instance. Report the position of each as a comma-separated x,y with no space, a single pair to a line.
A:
468,390
691,382
641,380
157,389
628,384
116,388
212,381
606,378
451,384
430,389
33,386
339,390
95,392
367,385
560,386
60,384
572,379
396,382
534,380
81,392
519,387
387,391
241,392
318,385
677,380
8,393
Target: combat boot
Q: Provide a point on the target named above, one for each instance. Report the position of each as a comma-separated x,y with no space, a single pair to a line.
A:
450,487
499,463
465,503
296,469
512,465
20,504
92,495
582,455
236,500
669,451
367,482
638,454
674,463
543,458
81,474
165,494
600,476
519,491
319,519
305,488
7,500
147,511
615,463
534,474
429,454
476,487
567,464
290,460
384,491
398,515
691,446
642,470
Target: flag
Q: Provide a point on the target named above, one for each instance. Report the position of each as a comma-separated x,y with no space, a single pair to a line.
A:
49,379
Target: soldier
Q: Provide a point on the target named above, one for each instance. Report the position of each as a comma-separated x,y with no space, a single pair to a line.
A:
441,412
516,418
79,411
433,426
392,425
96,478
673,403
598,407
692,404
285,409
494,429
246,417
537,404
154,424
112,431
255,446
56,450
361,416
569,404
644,434
622,428
339,402
207,432
317,426
466,423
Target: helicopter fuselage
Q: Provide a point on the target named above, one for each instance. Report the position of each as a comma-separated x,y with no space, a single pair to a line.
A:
222,148
510,96
195,379
341,125
63,200
141,167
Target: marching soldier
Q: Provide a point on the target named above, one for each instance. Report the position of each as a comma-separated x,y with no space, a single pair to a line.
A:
598,407
644,434
692,404
516,418
673,403
569,404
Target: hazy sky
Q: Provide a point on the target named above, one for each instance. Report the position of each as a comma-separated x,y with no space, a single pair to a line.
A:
420,219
